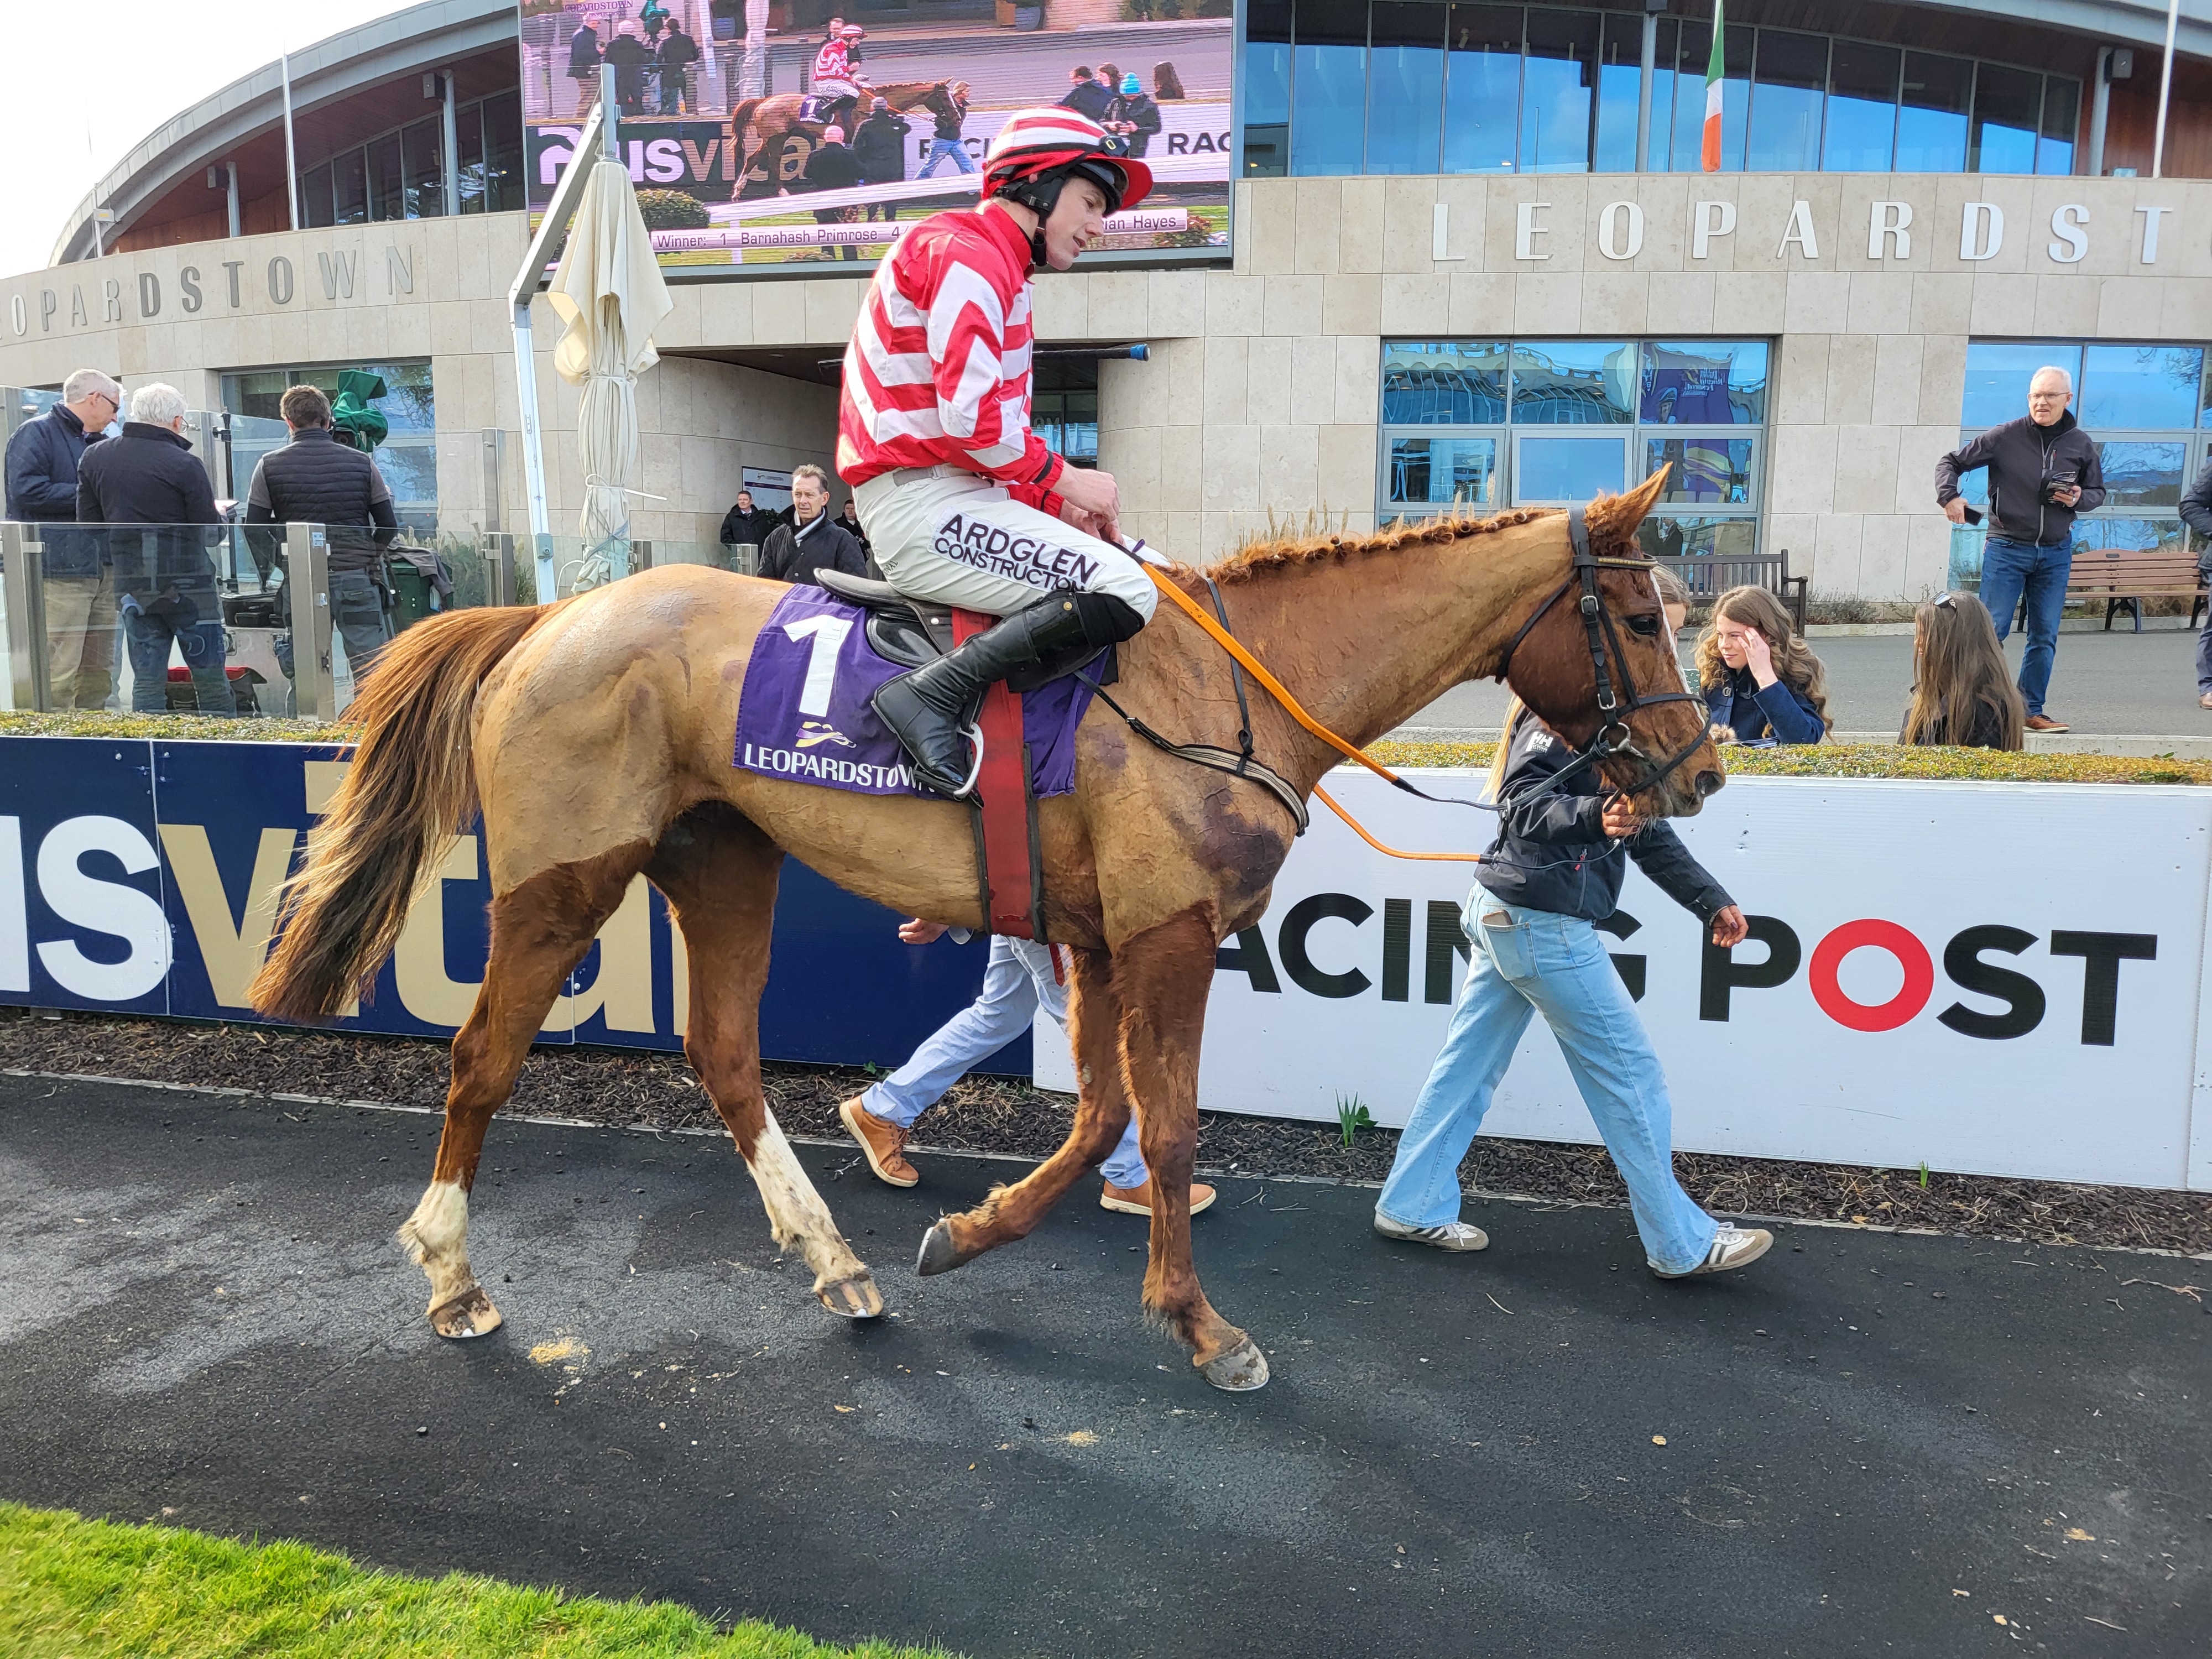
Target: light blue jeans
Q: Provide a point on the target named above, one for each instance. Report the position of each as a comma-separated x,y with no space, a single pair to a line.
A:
1530,962
1018,981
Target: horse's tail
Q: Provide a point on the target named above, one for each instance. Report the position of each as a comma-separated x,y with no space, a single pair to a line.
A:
411,784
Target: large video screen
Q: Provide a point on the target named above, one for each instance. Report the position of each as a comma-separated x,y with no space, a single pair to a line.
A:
769,133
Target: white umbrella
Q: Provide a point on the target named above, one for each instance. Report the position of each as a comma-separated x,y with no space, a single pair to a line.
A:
609,291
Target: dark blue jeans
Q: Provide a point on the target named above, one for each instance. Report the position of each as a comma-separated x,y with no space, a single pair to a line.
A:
2011,568
148,639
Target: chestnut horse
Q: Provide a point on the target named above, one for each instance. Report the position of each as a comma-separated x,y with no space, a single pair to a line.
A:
759,126
596,734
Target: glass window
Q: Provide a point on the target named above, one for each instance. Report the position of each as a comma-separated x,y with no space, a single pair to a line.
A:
2140,475
502,135
1619,83
1785,104
1862,125
2062,120
388,184
1556,87
1706,471
1405,86
2129,387
2102,535
1454,383
1997,373
1437,472
1573,383
349,186
1703,383
469,174
1482,89
2007,114
1562,469
1328,86
426,178
1663,536
316,210
1931,121
1664,78
1267,88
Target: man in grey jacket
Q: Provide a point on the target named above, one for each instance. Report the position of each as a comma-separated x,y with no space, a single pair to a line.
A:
2043,471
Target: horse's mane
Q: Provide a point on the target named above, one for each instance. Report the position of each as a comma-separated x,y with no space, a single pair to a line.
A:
1266,556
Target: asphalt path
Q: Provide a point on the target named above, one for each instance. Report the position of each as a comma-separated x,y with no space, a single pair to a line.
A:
2111,684
1872,1443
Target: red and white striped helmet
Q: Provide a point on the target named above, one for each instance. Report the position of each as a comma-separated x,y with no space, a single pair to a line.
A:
1046,145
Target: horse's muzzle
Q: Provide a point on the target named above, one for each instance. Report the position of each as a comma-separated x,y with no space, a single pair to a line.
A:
1707,783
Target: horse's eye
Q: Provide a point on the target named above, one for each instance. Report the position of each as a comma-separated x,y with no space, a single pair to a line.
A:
1647,626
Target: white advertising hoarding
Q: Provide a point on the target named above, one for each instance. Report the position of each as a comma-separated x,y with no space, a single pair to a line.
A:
1994,979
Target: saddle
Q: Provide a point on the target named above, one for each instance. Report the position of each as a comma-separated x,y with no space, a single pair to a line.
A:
815,107
913,633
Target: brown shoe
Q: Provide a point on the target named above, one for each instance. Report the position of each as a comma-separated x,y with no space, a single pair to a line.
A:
2205,701
2044,723
1138,1201
884,1144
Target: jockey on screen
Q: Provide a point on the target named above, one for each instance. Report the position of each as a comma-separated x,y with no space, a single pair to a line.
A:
837,76
963,504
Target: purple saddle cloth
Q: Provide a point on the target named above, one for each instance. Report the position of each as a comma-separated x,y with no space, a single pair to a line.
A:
805,712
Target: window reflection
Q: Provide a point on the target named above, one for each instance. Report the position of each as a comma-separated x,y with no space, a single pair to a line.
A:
2141,475
1566,469
1705,472
1703,383
2061,116
1785,111
1405,90
2008,113
1573,383
1267,88
1452,384
1328,86
1931,117
1482,95
1556,80
1690,537
1860,131
1663,76
2134,387
1620,82
1997,373
1443,471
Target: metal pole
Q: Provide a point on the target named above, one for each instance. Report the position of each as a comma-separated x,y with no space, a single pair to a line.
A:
452,145
291,154
610,115
27,625
307,587
1644,90
2165,89
230,193
2100,106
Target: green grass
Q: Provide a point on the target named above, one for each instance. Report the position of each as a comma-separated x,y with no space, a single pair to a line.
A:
91,1588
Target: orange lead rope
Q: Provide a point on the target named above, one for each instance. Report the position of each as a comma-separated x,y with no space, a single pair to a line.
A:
1277,690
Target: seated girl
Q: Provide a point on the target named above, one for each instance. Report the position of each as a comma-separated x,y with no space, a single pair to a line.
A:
1762,683
1962,692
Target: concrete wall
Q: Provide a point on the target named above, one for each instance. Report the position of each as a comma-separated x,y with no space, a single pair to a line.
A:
1262,393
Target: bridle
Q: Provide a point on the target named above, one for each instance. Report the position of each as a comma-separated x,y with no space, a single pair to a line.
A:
1598,630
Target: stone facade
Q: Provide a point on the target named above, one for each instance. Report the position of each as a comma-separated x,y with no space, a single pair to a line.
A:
1260,402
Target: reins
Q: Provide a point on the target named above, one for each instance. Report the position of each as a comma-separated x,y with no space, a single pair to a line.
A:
1598,630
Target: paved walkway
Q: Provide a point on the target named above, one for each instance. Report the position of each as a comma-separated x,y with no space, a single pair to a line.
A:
2104,685
1872,1445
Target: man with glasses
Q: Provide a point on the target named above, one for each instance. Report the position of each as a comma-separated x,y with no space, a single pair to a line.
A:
2043,471
78,576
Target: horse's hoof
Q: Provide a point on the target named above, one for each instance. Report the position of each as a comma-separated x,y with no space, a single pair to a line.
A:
1240,1370
853,1298
470,1314
939,1254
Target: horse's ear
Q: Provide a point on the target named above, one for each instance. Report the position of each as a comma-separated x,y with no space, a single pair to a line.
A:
1616,517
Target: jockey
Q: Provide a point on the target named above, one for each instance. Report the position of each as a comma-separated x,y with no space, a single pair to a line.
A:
963,504
836,78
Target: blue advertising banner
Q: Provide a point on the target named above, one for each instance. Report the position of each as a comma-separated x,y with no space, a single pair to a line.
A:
141,876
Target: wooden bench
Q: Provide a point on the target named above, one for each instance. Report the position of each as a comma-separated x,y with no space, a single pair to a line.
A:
1709,575
2128,576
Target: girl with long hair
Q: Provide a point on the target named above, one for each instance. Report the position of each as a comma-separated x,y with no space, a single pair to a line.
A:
1962,692
1761,681
1564,841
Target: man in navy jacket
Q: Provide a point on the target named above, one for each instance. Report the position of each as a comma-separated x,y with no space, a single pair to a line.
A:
80,590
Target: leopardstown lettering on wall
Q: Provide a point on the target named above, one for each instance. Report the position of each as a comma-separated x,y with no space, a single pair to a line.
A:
1891,228
344,275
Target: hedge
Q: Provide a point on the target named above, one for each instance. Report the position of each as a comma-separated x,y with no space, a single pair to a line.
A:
1828,759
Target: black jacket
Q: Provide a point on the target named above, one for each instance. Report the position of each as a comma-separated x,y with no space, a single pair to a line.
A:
792,555
879,148
2195,508
946,123
1141,114
42,463
1088,98
584,51
149,476
315,479
832,167
678,50
1550,854
1986,731
2024,460
753,526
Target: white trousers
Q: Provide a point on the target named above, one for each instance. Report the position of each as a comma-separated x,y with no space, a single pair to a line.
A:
951,537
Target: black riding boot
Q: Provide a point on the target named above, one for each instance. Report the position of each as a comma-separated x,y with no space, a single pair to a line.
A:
930,709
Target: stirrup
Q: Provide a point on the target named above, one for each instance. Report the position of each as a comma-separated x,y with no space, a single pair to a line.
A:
975,735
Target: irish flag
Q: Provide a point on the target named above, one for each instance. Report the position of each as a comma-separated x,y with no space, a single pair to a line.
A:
1712,145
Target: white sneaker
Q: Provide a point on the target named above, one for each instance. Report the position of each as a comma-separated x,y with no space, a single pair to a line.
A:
1732,1247
1452,1236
